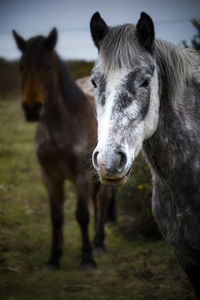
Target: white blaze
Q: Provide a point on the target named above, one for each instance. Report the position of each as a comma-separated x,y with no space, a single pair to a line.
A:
132,133
105,113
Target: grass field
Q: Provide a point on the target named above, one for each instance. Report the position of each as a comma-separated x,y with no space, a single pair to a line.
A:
130,269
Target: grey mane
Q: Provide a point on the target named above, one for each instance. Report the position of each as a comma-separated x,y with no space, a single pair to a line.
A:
176,65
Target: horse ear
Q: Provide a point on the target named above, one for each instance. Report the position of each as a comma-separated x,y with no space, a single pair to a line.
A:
51,39
98,28
21,43
145,31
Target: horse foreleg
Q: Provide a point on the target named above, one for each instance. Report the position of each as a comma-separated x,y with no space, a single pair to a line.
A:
112,211
193,272
96,188
104,198
56,199
82,216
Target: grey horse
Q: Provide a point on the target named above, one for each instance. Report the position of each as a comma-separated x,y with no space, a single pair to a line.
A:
147,97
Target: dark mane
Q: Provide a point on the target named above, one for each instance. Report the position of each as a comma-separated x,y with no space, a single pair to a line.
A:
71,93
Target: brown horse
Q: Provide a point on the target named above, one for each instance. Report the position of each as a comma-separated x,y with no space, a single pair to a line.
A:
64,139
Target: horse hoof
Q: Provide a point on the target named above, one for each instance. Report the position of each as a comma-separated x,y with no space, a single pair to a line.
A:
98,251
87,267
50,268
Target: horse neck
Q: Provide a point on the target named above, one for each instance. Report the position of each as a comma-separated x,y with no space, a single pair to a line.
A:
72,96
64,99
176,139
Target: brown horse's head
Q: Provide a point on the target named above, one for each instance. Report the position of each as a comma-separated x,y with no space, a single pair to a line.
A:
38,64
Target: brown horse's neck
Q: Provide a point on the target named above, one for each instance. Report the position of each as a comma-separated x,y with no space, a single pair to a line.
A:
71,94
63,91
65,100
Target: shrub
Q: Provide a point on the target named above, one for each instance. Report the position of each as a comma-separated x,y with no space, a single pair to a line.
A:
134,201
10,75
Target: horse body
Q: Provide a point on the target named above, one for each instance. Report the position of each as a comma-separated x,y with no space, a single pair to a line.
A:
64,138
67,158
51,134
174,158
148,94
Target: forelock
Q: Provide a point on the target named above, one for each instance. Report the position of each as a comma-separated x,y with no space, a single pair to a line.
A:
120,48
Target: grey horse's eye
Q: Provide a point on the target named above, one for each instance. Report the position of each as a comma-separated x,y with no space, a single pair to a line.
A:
93,83
145,83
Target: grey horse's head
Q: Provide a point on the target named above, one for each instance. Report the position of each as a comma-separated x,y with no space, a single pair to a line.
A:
126,94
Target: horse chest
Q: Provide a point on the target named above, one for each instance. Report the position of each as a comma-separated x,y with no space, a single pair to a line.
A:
58,153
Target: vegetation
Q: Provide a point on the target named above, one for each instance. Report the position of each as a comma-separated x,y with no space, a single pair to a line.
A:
134,200
80,68
10,79
196,38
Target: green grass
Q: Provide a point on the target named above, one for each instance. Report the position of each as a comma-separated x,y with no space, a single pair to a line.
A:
131,268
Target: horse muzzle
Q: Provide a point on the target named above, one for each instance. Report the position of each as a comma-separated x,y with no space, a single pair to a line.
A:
111,166
32,113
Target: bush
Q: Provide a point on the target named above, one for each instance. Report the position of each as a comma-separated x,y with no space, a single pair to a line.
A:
10,75
79,68
134,200
9,79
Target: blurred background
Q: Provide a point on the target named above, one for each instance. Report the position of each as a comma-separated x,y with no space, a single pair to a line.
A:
172,21
29,18
136,254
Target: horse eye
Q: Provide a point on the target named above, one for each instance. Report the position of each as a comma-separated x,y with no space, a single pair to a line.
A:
94,84
145,83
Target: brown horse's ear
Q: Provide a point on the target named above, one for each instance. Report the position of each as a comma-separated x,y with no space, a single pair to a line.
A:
145,31
51,39
21,43
98,28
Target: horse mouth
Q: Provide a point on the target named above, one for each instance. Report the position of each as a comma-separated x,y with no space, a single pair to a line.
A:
32,114
107,181
32,118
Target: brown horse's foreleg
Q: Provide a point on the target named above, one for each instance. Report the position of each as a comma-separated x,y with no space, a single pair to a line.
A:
82,215
56,199
96,187
112,210
104,199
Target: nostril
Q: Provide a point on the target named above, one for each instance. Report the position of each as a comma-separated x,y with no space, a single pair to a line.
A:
95,163
123,160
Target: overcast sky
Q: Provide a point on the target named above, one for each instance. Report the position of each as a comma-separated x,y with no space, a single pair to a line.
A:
32,17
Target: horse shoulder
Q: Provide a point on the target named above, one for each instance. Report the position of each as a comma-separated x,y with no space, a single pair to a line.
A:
42,140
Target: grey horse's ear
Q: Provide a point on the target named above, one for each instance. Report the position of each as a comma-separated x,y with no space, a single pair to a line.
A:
51,40
21,43
98,28
145,32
